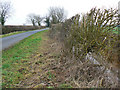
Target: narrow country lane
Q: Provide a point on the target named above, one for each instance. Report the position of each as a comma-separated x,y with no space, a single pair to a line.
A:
11,40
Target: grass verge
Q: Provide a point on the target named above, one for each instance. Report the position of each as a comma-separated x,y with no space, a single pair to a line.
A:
12,33
14,60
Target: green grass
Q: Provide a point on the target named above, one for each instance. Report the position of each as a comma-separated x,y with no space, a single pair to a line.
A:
116,30
65,86
12,33
15,60
61,86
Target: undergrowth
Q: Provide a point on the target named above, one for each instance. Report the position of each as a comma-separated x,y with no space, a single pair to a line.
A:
91,32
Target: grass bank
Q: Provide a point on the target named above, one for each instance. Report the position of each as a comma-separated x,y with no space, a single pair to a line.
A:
14,59
12,33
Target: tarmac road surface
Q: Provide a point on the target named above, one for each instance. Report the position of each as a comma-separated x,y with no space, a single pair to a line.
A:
13,39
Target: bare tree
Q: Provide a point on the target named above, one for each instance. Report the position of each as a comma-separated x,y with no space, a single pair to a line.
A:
5,11
31,19
57,14
38,19
47,20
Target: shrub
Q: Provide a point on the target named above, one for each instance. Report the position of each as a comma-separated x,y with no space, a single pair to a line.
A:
9,29
90,33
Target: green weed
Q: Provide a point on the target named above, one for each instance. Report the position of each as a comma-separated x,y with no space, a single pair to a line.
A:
50,75
65,86
50,87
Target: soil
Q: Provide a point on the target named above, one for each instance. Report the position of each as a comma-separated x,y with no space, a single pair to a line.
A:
49,68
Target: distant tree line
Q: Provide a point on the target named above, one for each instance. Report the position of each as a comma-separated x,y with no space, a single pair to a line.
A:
55,15
34,19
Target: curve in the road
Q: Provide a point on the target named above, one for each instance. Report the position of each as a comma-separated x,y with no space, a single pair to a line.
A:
11,40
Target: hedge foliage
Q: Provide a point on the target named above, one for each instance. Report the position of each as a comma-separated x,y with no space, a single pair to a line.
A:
8,29
90,32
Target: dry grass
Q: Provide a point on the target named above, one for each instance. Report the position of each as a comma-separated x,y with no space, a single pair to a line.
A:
51,68
90,35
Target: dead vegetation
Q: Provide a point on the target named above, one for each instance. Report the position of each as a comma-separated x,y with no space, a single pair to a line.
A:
51,68
89,52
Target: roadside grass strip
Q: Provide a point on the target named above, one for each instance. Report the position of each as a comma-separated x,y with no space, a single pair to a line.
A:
16,59
12,33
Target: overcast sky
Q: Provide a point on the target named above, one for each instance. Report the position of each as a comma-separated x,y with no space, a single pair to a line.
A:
21,8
